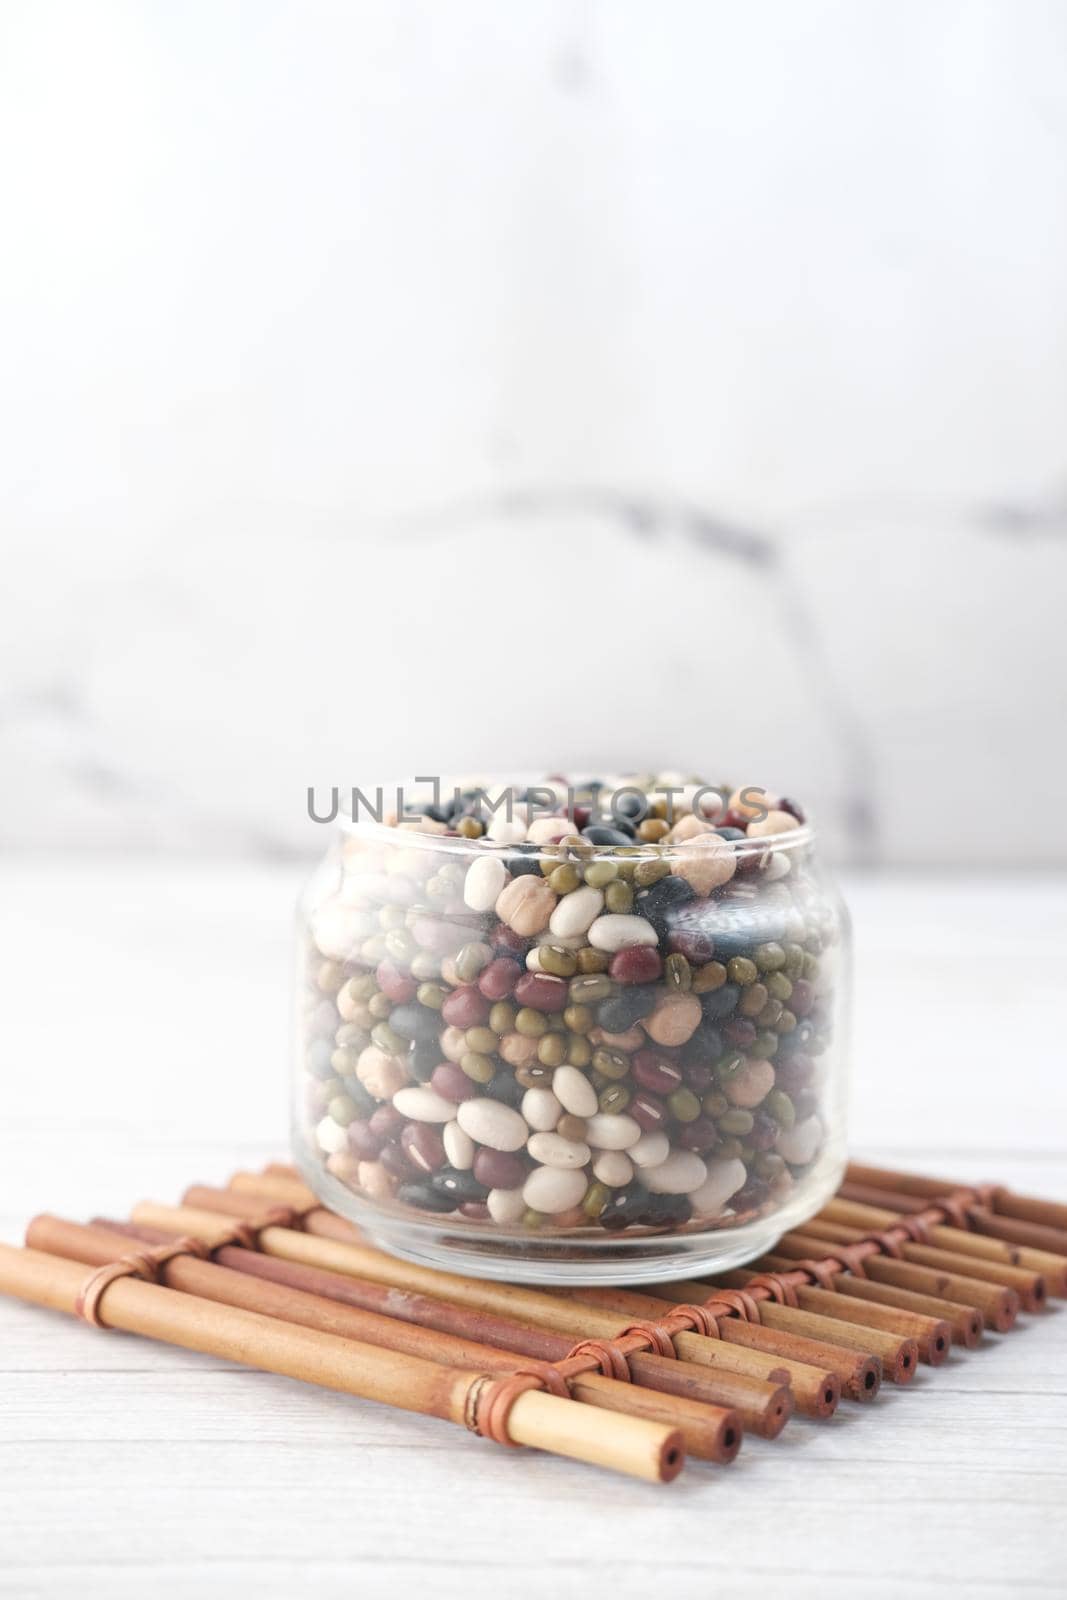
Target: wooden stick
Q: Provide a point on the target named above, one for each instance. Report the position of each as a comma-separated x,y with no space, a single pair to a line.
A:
966,1322
933,1335
999,1306
1028,1208
1030,1286
1051,1266
899,1357
1005,1203
764,1405
1042,1240
632,1445
713,1435
671,1377
817,1373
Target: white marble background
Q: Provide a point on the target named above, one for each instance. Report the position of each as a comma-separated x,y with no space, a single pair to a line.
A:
398,384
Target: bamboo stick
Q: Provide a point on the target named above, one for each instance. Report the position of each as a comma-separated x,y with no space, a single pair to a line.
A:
1028,1208
1018,1253
282,1189
711,1434
1005,1203
999,1306
1036,1235
810,1376
966,1321
933,1335
1029,1286
899,1356
764,1404
818,1373
671,1377
631,1445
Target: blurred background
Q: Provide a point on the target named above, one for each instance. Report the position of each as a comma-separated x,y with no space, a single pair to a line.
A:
392,386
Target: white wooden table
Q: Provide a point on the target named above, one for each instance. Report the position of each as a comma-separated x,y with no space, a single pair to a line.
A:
143,1033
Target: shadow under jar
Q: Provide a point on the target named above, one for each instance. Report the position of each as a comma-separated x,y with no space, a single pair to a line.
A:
563,1051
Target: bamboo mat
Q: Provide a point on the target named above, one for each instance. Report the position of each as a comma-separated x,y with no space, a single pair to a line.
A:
897,1271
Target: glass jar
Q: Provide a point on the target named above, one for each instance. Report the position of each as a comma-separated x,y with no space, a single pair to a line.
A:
572,1060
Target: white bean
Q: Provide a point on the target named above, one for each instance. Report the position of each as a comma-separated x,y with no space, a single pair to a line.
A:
459,1147
541,1109
650,1149
681,1173
483,883
552,1150
574,1091
423,1105
614,1168
576,911
506,1205
331,1136
799,1144
491,1122
551,1190
612,1130
724,1179
618,932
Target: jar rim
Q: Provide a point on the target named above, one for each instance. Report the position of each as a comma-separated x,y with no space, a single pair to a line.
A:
409,835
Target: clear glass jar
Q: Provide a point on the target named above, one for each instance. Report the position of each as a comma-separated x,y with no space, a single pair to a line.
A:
626,1070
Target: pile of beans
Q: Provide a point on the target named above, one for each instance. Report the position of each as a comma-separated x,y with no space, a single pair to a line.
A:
561,1022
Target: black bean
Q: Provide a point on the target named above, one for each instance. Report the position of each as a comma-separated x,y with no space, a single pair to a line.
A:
425,1197
624,1207
719,1003
706,1045
415,1022
665,1211
519,865
634,807
506,1088
462,1186
621,1011
599,834
425,1056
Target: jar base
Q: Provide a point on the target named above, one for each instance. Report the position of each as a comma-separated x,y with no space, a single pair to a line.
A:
515,1256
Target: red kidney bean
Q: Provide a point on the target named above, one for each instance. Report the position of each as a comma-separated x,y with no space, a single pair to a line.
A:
802,999
699,1077
499,1169
476,1210
386,1121
395,985
395,1162
656,1072
764,1131
452,1083
700,1134
465,1008
739,1031
498,979
543,993
423,1146
648,1112
696,946
637,964
363,1142
505,938
793,1071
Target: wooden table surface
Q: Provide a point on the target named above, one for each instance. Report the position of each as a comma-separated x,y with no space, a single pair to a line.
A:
144,1046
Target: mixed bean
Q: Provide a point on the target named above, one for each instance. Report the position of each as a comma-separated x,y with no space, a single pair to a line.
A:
612,1019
